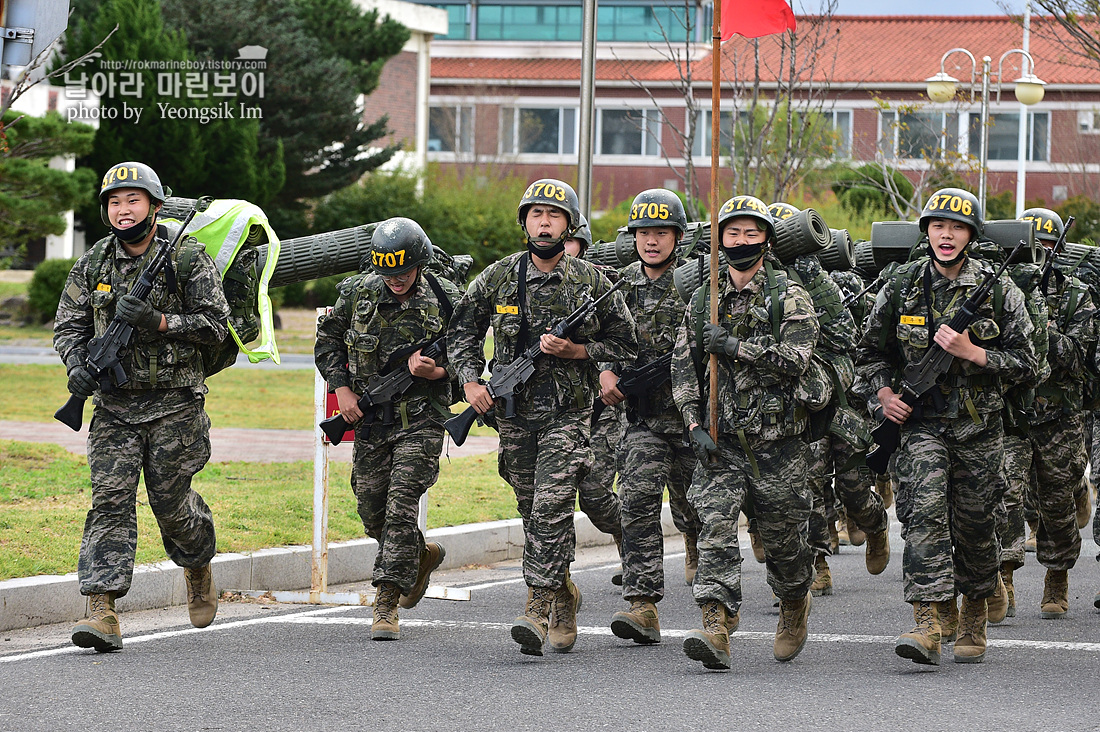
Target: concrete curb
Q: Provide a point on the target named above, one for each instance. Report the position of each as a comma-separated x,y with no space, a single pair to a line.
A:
30,601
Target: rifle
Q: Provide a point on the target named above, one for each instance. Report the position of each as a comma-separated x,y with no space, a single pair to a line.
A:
104,362
638,382
507,380
855,296
918,378
382,391
1044,280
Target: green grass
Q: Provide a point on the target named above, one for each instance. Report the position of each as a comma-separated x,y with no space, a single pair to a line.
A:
10,289
44,497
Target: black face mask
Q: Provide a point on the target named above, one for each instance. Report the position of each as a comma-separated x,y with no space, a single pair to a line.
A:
953,261
556,248
137,232
744,257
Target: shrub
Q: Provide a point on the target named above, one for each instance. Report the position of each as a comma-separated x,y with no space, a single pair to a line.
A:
44,292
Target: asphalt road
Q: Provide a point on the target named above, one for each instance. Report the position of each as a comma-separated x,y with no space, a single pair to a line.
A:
307,668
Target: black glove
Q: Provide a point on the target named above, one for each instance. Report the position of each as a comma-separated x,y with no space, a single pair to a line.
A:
701,443
138,313
82,383
718,340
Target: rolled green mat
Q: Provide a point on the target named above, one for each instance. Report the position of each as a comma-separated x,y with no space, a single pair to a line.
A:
615,254
804,233
691,274
840,254
1007,233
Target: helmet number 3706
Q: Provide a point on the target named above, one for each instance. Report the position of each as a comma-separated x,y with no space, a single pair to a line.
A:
950,203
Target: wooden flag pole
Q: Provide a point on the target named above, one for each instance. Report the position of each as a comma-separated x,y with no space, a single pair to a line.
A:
715,201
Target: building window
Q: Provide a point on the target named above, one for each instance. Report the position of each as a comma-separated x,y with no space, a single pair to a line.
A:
704,134
1004,136
451,129
458,22
641,23
539,22
841,120
919,135
629,132
533,130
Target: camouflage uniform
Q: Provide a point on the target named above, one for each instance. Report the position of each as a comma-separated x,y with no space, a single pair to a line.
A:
654,453
595,493
155,424
762,453
950,462
370,332
544,449
1057,422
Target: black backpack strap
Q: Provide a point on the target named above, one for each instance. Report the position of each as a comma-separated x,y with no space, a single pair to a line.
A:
444,302
521,297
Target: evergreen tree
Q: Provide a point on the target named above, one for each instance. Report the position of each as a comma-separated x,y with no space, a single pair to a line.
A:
34,196
219,157
321,54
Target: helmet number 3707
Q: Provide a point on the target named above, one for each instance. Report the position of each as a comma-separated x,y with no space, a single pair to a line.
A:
389,259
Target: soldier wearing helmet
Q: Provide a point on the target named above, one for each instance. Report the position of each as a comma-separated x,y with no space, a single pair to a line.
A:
950,462
1053,452
383,320
156,417
760,454
652,450
544,446
581,241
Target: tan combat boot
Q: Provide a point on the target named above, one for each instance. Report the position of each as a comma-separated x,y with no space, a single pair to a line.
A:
922,643
431,556
791,633
970,645
561,629
1010,589
711,645
691,557
834,538
640,623
878,551
757,546
997,604
1055,594
1033,526
841,530
1083,499
823,578
202,598
949,619
100,630
856,535
385,626
885,488
529,629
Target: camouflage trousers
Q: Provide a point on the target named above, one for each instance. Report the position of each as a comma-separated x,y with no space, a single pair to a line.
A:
1059,456
1092,445
853,487
950,482
544,466
651,461
1019,472
781,504
390,471
168,451
596,493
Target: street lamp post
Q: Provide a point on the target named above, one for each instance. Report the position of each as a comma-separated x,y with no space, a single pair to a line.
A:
1029,90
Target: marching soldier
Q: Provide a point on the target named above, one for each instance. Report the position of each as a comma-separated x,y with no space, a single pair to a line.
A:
155,424
764,340
383,320
951,454
653,448
544,446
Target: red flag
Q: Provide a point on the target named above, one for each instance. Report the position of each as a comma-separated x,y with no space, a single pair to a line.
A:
755,18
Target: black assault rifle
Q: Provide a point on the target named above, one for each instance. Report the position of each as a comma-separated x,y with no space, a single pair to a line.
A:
1059,245
509,379
104,352
637,383
382,391
919,377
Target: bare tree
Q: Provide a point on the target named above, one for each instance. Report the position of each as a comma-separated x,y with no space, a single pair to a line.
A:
28,78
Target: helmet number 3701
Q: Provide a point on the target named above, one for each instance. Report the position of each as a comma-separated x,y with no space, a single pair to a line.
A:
388,259
957,204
